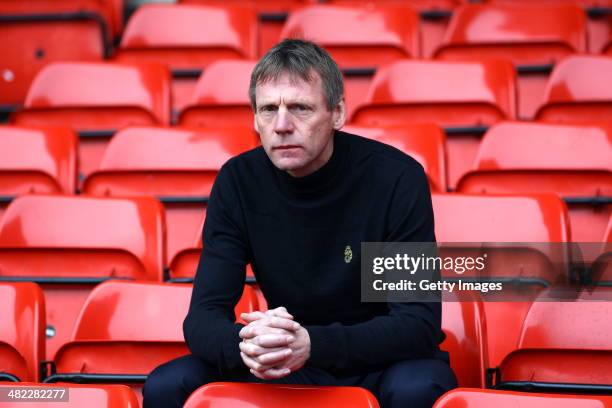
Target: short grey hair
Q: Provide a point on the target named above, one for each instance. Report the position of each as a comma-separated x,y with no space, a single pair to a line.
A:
299,58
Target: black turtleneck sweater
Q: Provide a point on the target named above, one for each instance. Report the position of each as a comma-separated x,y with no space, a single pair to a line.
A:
295,231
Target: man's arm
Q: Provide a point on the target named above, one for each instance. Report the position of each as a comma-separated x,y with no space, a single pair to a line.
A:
209,328
409,330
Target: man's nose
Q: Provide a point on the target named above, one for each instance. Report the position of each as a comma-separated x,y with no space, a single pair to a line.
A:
283,123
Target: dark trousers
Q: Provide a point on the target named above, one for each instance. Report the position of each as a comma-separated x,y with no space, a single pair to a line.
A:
410,383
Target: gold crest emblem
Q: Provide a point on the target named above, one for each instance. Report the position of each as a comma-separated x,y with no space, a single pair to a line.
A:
348,254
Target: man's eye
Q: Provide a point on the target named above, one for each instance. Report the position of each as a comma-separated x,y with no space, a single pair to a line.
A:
267,108
301,108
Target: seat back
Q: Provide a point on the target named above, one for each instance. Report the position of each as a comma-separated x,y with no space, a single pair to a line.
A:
236,395
570,161
579,90
22,330
35,33
96,99
359,38
178,166
564,342
36,160
424,142
106,340
77,395
187,46
533,36
68,244
463,97
506,221
220,97
463,322
470,398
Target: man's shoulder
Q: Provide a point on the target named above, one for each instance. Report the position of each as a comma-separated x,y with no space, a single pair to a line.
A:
380,157
245,162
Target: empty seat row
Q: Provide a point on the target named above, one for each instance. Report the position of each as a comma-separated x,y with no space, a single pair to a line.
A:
178,165
187,47
107,346
463,97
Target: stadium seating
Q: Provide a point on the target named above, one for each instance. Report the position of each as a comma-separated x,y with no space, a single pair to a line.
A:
221,96
434,17
272,16
573,162
464,98
36,32
68,244
579,90
360,39
36,160
22,331
97,99
178,166
532,36
497,225
564,346
471,398
107,344
233,395
424,142
77,396
186,45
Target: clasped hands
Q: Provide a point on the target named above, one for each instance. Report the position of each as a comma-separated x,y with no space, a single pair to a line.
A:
273,344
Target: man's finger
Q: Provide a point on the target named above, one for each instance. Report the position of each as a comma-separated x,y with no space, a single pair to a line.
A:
272,340
252,316
273,358
251,331
281,323
253,350
272,373
253,364
280,312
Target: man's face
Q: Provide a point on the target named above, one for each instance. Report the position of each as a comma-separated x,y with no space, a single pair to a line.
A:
294,123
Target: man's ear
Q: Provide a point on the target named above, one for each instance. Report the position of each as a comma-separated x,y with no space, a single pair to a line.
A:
255,126
339,115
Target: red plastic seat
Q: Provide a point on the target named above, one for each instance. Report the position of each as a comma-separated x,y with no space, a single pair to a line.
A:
96,99
434,17
221,96
68,244
470,398
22,331
533,37
272,15
424,142
106,340
36,32
579,90
233,395
359,38
36,160
573,162
506,221
78,396
564,345
186,45
463,97
178,166
463,322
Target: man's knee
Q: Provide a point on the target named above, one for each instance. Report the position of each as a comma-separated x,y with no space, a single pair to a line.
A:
415,383
171,383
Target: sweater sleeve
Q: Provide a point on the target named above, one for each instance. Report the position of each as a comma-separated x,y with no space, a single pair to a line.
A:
209,328
408,330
